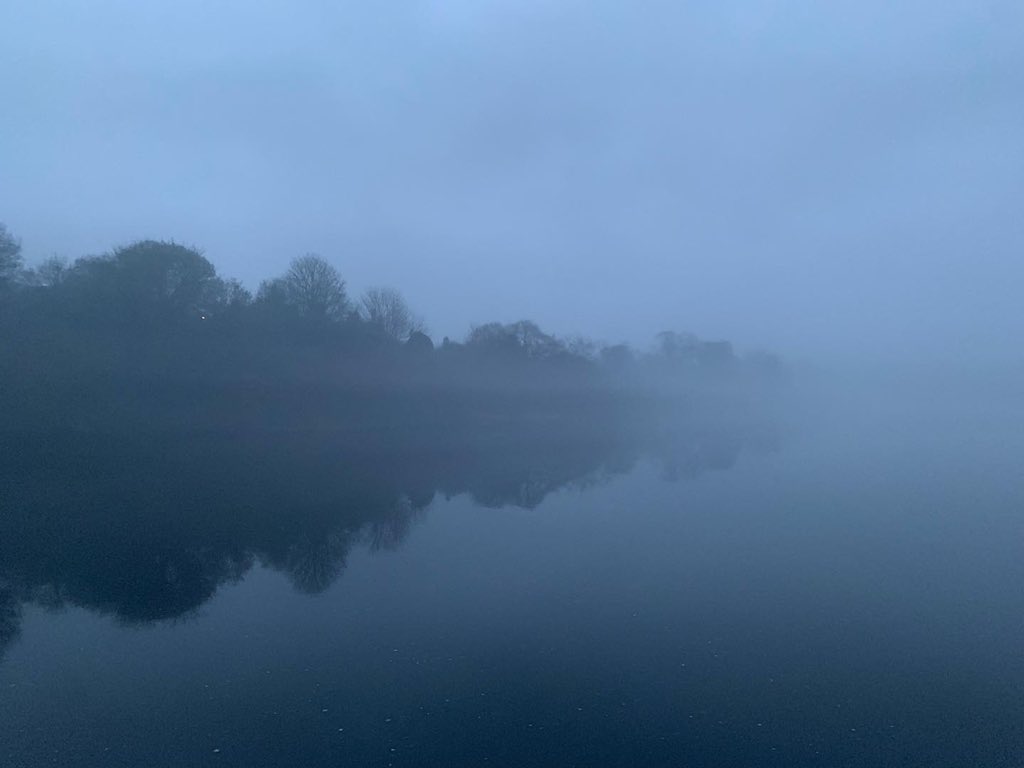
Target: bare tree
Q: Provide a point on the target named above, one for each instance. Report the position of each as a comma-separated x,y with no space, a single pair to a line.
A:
51,272
386,308
315,288
10,256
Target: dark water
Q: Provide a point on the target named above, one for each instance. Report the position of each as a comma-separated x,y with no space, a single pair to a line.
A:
845,591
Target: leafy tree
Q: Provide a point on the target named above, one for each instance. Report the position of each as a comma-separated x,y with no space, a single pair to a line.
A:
148,279
165,273
617,356
230,294
677,346
419,343
523,338
273,292
582,347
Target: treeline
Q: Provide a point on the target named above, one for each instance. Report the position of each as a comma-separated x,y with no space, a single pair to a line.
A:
150,331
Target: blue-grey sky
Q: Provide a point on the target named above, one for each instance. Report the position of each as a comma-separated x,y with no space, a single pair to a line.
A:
803,176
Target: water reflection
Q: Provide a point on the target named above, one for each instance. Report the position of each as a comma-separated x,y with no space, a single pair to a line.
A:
148,529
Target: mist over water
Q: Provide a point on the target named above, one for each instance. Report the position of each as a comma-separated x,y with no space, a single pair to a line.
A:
818,585
511,384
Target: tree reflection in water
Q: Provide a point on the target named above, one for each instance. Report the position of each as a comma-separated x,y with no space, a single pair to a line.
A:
148,529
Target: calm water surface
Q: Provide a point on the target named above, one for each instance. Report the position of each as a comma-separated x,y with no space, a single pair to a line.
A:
848,594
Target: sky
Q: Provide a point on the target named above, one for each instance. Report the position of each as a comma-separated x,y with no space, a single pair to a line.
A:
804,177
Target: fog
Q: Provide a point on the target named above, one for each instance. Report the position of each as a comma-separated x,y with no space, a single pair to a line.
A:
822,180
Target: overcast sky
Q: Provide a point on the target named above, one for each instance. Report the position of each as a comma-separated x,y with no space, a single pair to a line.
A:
800,176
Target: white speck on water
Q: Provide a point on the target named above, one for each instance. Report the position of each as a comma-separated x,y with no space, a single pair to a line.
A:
216,750
387,719
323,710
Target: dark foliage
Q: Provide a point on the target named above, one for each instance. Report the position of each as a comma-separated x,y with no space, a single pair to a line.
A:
148,336
303,427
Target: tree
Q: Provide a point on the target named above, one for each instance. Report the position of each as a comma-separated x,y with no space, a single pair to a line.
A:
314,287
678,346
150,282
522,338
385,308
272,292
582,347
229,294
617,357
158,277
10,256
50,273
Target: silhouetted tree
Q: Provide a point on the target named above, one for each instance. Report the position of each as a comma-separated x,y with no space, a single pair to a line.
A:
522,338
617,356
677,346
419,343
50,273
273,294
149,279
386,309
10,256
229,295
582,347
314,288
715,355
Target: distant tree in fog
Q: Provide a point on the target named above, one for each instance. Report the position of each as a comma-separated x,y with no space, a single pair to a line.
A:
146,279
273,293
419,343
231,294
687,350
583,347
314,288
617,356
523,338
386,309
10,256
676,346
50,273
